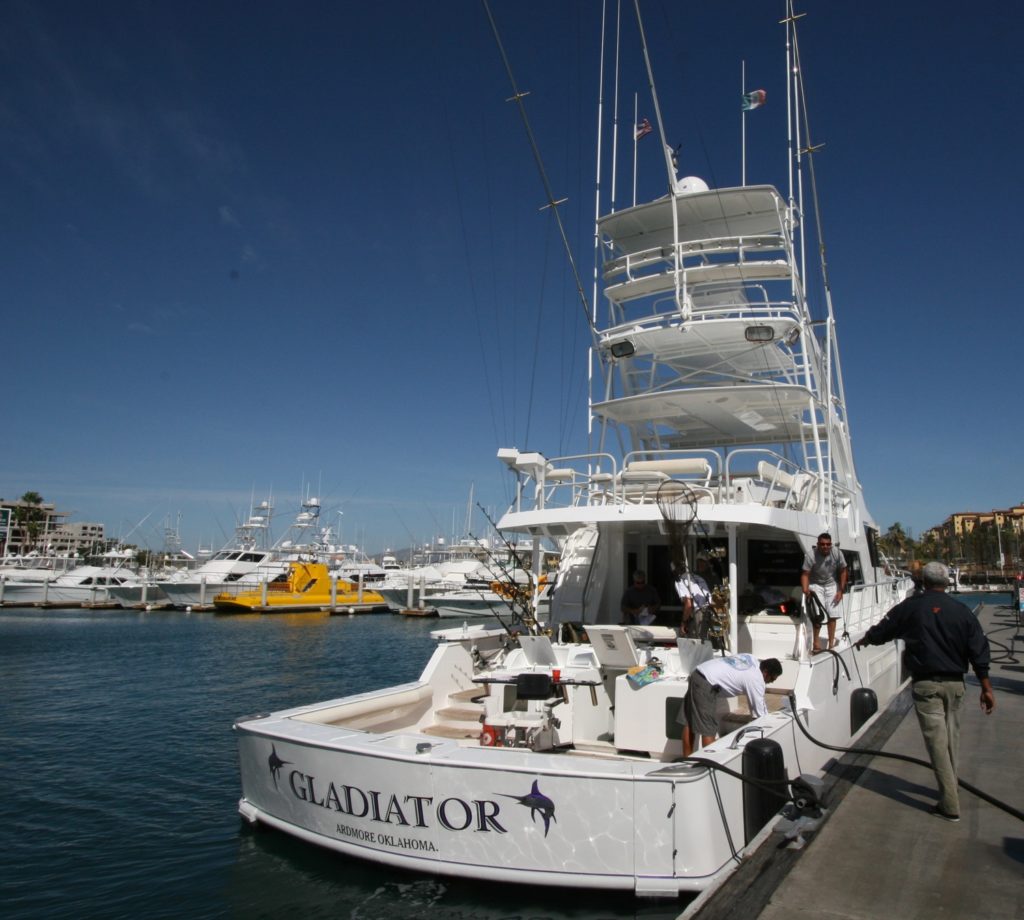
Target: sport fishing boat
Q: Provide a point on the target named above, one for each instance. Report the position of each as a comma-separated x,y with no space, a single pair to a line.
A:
250,559
552,755
304,586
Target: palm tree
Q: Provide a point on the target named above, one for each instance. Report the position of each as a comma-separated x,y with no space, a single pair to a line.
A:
30,517
896,543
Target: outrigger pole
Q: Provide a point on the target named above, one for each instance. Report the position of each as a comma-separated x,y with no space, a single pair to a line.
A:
553,203
684,311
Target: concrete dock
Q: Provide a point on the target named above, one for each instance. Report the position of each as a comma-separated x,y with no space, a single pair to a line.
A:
880,853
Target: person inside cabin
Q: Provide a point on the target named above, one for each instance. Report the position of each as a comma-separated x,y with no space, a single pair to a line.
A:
706,571
694,594
640,602
824,575
721,678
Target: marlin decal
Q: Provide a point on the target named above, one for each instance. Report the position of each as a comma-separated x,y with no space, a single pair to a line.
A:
275,763
536,801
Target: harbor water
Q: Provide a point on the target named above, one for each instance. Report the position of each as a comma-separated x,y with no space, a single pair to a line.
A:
122,777
122,780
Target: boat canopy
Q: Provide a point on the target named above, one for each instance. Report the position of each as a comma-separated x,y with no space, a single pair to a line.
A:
750,211
712,416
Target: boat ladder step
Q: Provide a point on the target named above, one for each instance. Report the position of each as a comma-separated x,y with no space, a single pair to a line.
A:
466,696
461,713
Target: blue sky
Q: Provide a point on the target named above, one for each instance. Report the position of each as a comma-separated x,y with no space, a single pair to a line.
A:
269,248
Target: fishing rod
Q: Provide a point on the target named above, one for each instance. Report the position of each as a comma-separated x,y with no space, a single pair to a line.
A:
513,597
526,615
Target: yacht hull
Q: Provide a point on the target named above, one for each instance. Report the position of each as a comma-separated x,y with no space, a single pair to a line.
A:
586,815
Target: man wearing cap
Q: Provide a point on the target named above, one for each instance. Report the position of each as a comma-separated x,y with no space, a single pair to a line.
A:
942,636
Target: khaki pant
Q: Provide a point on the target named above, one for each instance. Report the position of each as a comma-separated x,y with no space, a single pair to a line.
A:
938,704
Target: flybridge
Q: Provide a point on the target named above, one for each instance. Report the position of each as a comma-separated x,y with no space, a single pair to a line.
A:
754,476
709,342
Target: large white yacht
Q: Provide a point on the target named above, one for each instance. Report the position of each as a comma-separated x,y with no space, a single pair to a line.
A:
553,756
250,558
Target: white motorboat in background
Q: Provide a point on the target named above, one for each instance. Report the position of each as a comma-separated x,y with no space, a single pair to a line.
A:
250,558
553,756
83,585
34,566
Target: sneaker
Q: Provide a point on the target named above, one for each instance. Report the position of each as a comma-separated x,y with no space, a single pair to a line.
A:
939,813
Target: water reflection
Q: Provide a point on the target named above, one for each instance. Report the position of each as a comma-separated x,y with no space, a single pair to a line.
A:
276,875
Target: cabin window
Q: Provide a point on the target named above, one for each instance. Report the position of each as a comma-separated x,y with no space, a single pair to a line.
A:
773,572
872,534
854,570
774,562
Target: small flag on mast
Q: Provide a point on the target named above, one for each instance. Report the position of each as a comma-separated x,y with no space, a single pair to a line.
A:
642,129
754,100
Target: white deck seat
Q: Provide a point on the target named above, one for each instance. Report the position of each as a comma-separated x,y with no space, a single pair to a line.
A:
553,476
789,485
601,485
631,475
697,467
640,486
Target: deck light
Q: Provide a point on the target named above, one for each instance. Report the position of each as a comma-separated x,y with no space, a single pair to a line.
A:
759,333
622,349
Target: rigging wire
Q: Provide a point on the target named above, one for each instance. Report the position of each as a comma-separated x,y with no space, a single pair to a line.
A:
474,299
835,372
502,375
552,202
537,340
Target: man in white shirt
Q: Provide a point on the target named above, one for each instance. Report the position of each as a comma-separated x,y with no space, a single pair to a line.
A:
694,593
723,677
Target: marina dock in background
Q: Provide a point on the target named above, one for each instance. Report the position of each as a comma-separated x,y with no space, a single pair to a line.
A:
879,851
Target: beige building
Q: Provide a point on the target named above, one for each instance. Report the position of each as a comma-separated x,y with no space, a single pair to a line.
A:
26,527
954,533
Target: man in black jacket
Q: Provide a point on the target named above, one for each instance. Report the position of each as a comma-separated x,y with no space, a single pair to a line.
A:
941,636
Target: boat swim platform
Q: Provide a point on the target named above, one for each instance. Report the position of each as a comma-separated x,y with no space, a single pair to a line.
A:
879,852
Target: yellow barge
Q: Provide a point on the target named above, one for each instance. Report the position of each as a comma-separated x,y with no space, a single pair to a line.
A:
305,586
